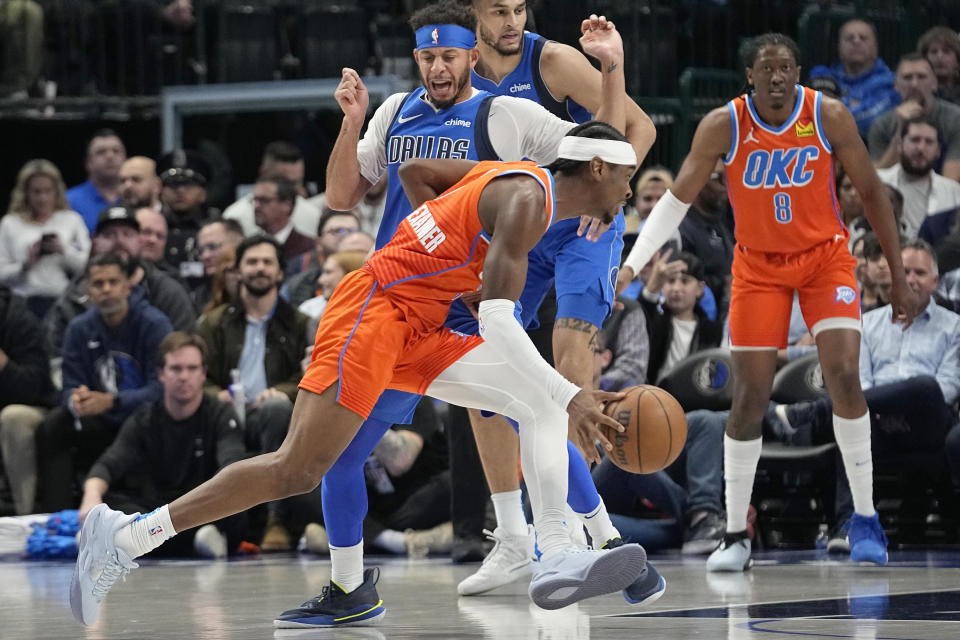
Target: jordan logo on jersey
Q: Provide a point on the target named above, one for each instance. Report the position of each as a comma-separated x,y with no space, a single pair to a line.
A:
405,147
804,129
750,137
428,233
776,168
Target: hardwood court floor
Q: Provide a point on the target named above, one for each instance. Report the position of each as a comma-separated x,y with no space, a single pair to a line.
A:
789,595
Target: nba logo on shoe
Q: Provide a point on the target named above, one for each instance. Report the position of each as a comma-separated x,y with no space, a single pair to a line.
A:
845,295
155,530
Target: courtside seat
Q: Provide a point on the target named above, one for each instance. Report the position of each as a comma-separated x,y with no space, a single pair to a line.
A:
703,380
799,381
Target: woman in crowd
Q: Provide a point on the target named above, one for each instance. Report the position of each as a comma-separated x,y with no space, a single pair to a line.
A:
335,268
43,244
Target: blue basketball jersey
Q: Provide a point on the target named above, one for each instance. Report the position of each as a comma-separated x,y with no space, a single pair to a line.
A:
418,131
525,82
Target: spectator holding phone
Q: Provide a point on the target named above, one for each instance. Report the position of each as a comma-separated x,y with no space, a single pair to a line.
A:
43,243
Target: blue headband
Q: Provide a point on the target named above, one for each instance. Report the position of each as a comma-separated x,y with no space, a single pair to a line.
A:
445,35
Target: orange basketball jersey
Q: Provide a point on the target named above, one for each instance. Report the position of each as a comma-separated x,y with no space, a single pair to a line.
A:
437,253
781,179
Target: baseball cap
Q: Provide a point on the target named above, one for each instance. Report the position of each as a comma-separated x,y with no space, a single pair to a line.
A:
116,215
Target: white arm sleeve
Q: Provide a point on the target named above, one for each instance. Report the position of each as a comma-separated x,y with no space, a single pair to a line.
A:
660,227
500,329
521,128
372,148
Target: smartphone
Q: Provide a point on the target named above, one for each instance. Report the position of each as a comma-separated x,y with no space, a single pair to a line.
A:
45,240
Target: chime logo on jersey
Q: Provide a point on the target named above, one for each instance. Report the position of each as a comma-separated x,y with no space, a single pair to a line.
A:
405,147
804,129
777,168
517,88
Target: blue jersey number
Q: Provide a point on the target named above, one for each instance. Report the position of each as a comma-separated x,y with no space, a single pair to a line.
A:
781,207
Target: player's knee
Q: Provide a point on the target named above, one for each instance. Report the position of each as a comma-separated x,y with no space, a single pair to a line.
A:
746,418
295,475
842,375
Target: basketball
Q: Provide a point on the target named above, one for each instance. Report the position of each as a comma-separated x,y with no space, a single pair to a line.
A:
656,429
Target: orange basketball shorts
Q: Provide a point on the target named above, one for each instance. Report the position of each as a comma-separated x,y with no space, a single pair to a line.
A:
761,294
364,345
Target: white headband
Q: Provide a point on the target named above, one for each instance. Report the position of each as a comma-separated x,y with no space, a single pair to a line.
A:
612,151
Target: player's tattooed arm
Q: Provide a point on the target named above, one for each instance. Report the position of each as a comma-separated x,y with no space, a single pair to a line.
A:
577,325
574,342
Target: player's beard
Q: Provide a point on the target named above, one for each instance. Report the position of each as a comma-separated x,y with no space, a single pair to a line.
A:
462,82
503,50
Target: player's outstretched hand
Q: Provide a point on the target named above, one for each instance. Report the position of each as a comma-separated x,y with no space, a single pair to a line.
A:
586,413
903,303
601,39
351,94
593,227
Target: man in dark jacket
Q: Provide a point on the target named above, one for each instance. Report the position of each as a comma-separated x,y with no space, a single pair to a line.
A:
706,235
184,175
25,392
117,232
170,446
675,322
273,201
263,338
109,370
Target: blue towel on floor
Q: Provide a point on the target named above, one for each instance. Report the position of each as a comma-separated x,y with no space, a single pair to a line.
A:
56,539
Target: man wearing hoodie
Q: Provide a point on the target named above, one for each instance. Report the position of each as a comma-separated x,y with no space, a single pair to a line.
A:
109,370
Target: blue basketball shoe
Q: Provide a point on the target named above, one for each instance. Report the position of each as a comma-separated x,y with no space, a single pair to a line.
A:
868,542
647,588
335,608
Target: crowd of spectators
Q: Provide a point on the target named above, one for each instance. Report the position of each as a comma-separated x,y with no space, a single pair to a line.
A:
147,340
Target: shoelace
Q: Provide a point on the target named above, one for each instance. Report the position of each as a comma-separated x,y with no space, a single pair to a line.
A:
315,602
112,571
497,542
496,545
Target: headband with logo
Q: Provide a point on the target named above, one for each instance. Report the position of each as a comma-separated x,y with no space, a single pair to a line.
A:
612,151
445,35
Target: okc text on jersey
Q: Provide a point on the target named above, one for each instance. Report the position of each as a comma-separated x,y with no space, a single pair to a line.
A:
776,168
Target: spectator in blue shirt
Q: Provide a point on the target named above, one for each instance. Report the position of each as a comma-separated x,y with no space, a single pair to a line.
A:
910,379
105,156
865,81
109,370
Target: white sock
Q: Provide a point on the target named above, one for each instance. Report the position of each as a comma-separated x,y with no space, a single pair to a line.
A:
346,568
598,525
509,510
740,458
146,533
543,456
853,438
393,541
